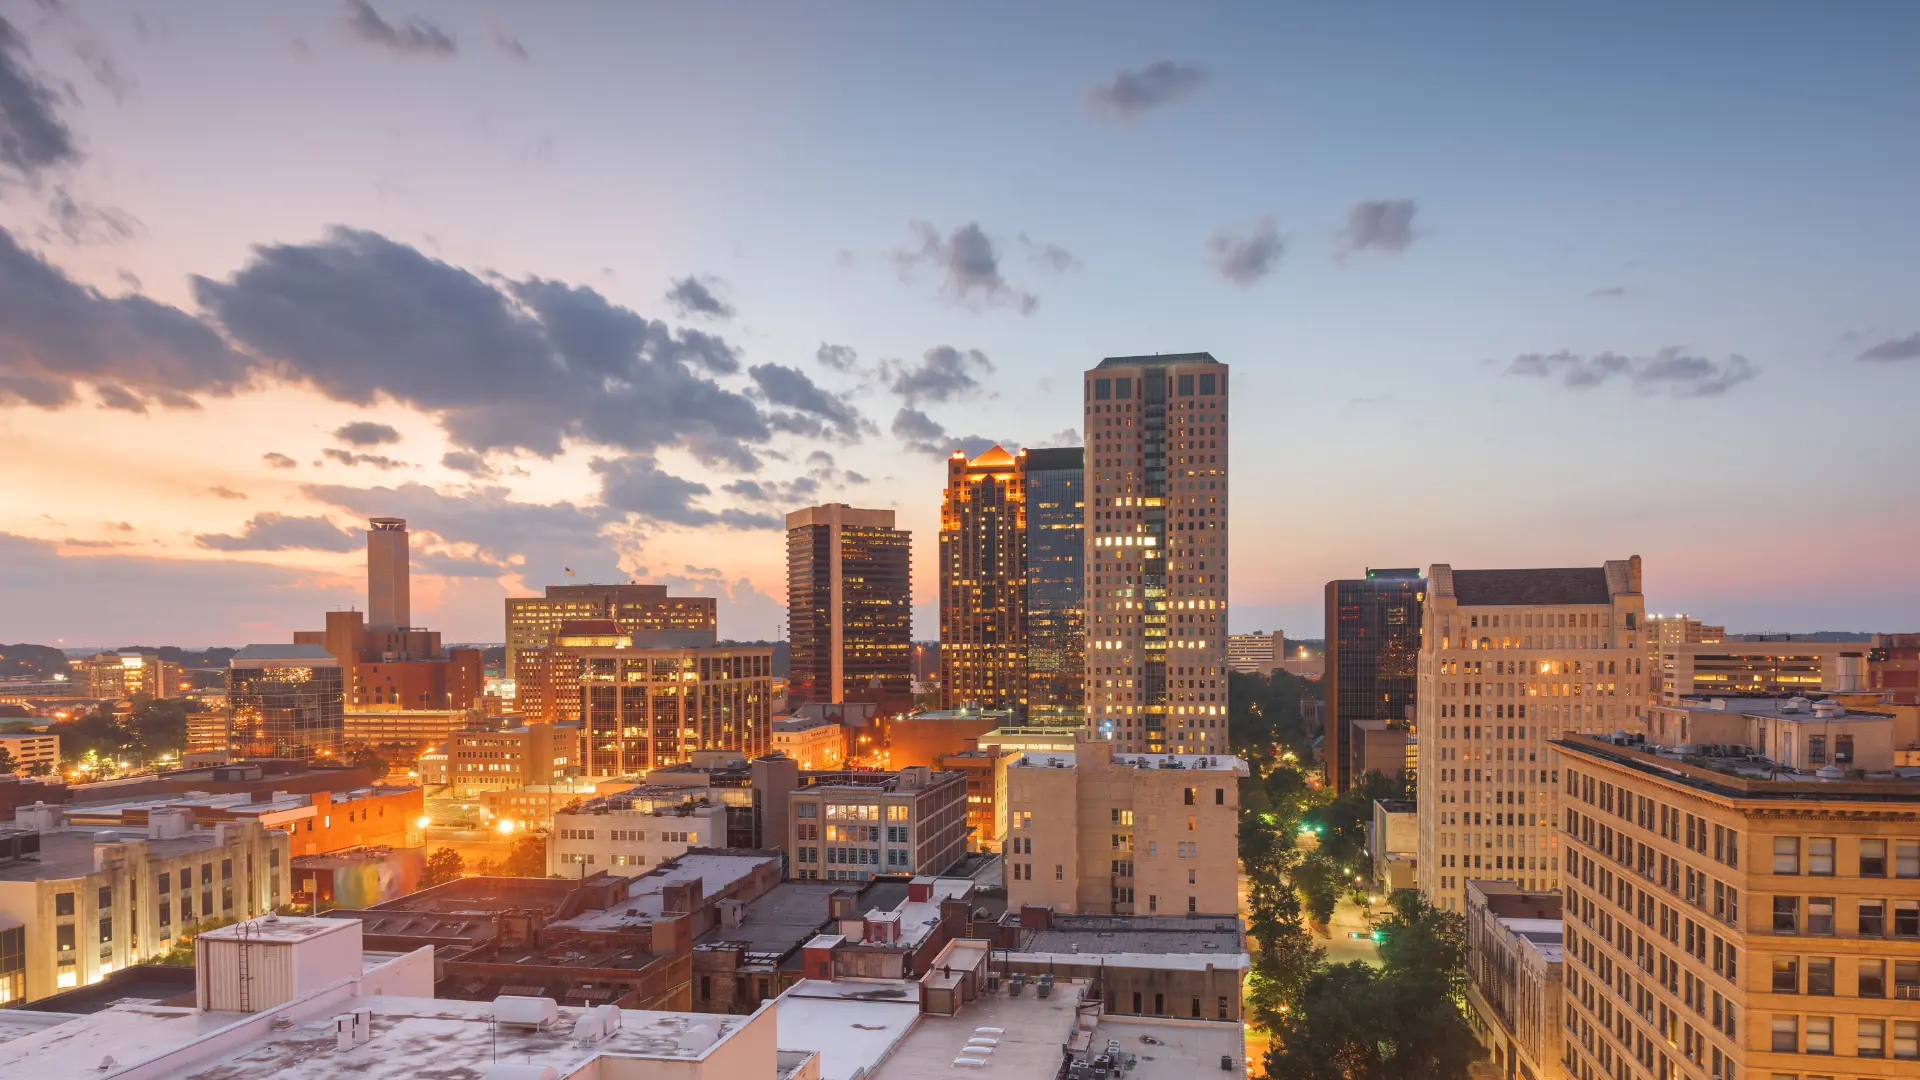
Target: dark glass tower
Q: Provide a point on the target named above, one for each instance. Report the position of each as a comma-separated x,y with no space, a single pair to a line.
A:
1373,652
1056,615
850,607
285,701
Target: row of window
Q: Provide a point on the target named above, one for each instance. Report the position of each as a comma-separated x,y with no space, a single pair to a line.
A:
1815,1035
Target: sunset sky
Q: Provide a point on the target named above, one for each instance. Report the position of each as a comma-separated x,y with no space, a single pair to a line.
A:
613,286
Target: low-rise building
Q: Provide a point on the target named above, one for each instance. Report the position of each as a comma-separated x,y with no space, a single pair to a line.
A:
851,826
119,675
1893,668
889,930
816,743
30,750
483,760
1393,841
924,737
405,727
1378,746
1095,832
1760,667
634,831
317,822
754,952
357,877
1514,945
1256,653
533,806
1145,965
986,773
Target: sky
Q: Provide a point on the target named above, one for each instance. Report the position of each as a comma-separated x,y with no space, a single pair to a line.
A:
612,287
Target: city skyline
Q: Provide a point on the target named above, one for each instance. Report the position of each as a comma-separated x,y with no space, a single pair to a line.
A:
1422,249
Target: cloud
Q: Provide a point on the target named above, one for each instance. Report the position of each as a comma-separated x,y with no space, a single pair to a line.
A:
1670,371
378,461
1382,225
279,532
1066,437
796,492
837,357
1906,348
635,484
366,433
1609,291
534,540
943,374
279,460
1133,94
417,37
223,492
1246,251
792,388
86,223
470,463
1049,256
506,42
971,265
923,435
694,296
115,397
33,138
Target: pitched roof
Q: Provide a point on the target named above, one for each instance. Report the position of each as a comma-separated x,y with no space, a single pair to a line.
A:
1569,585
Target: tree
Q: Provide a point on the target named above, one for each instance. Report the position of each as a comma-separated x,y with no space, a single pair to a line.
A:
527,857
443,866
156,726
7,762
1321,882
1356,1023
1421,938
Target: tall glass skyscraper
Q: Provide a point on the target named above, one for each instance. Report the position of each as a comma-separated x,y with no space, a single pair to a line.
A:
1056,612
850,607
1373,660
983,582
286,701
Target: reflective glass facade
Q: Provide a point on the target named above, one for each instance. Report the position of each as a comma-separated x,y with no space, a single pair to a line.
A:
850,607
1056,612
1373,659
290,709
983,582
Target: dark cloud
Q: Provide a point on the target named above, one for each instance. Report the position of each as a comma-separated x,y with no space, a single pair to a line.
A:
221,491
279,460
1246,251
721,452
971,265
31,390
943,374
470,463
635,484
1609,291
1133,94
527,365
417,37
792,388
695,296
117,397
795,492
378,461
924,435
1382,225
366,433
837,357
33,138
1906,348
534,540
1670,371
279,532
506,42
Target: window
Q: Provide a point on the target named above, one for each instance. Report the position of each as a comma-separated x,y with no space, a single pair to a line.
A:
1872,1040
1059,872
1906,918
1906,1039
1189,795
63,903
1786,1034
1786,854
1873,918
1873,978
1153,902
63,939
1820,856
1819,1034
1906,859
106,897
1820,975
1786,974
1223,1008
1873,858
1786,914
1906,979
1820,915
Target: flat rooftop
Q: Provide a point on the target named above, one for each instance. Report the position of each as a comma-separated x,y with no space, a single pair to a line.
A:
1796,709
1031,1035
68,853
1748,776
1197,762
779,921
1218,938
854,1023
1174,1049
277,928
646,895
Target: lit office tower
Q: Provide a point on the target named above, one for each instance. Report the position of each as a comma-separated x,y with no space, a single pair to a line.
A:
1056,613
1156,566
849,607
1373,656
645,612
388,603
983,581
1509,661
285,701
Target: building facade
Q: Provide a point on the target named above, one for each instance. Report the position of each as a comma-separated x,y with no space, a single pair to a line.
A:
285,701
852,826
1511,660
31,752
633,832
643,612
817,745
849,607
1762,918
1372,670
1893,667
389,574
490,760
1514,945
1257,653
1761,667
983,581
1093,831
1056,586
1156,552
120,675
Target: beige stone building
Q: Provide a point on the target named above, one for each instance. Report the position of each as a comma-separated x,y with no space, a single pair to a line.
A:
1099,832
1734,915
817,744
1509,661
1156,552
479,760
1761,667
1514,940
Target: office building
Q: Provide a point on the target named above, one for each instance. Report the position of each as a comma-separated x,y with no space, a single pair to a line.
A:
405,727
1664,630
986,772
1761,912
1761,667
316,822
1056,586
479,759
1513,978
814,743
1156,431
1393,841
94,901
644,613
30,752
116,676
1511,660
1893,667
285,701
1257,653
851,826
389,574
1093,831
633,832
1372,672
849,607
983,581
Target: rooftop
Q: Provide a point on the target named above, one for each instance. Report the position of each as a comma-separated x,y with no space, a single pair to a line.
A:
1174,1049
646,896
1538,588
855,1023
1798,709
1158,359
1211,937
278,929
305,654
778,921
141,984
793,724
1029,1033
1745,776
68,853
1064,759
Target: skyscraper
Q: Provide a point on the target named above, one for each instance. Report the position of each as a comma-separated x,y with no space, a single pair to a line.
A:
389,604
285,701
849,607
1511,660
983,581
646,612
1373,664
1156,543
1056,601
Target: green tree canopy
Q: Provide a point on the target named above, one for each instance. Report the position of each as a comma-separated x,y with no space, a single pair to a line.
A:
443,866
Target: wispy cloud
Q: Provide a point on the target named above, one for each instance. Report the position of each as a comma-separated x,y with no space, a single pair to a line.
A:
1132,94
1906,348
971,266
416,37
1671,371
1246,251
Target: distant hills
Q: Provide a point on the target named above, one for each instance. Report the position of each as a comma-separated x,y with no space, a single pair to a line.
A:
23,661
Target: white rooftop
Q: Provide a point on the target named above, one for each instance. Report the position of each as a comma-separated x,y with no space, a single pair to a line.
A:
853,1023
1029,1033
647,901
277,929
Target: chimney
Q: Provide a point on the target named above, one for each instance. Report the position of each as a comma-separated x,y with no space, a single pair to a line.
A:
920,890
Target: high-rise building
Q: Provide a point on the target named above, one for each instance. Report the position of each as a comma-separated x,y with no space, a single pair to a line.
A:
849,607
645,612
123,674
1775,902
1156,566
1056,597
389,596
285,701
983,581
1257,653
1511,660
1372,665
